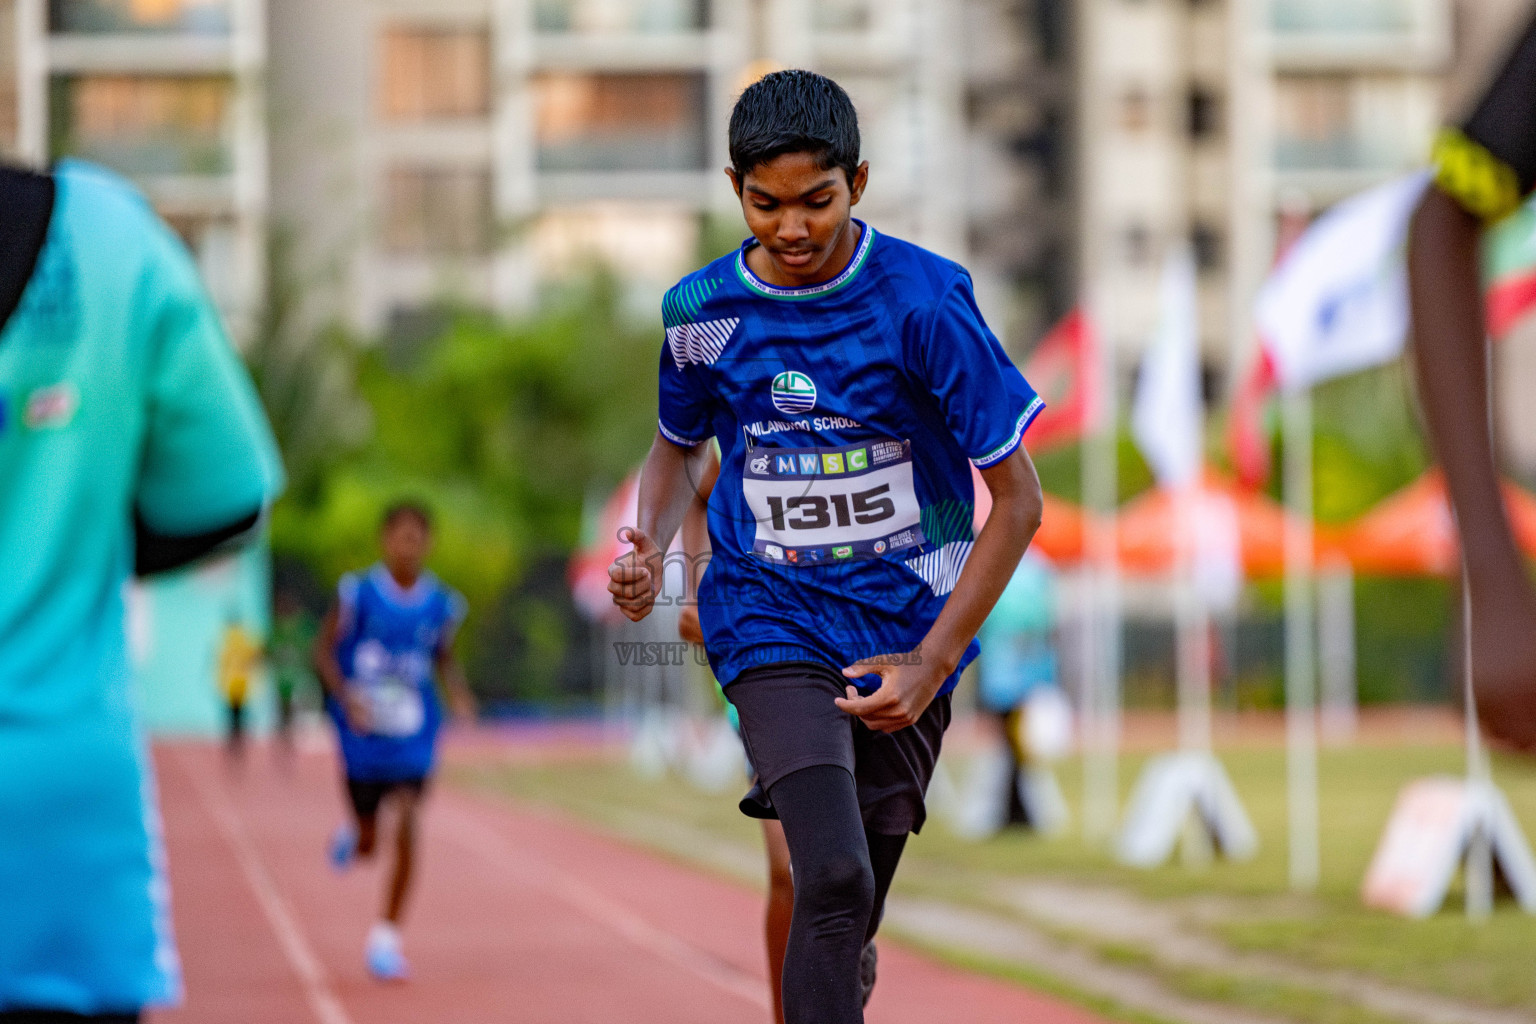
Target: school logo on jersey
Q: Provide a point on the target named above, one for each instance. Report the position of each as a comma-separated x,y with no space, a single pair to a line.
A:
50,408
793,393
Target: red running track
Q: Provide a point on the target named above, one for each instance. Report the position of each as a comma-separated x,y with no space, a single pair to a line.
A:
520,916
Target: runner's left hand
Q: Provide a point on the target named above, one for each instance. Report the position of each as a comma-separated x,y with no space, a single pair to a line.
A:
907,687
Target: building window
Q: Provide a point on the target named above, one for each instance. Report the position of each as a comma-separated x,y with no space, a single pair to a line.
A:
1205,243
144,125
620,122
438,211
1204,113
1134,110
93,16
1333,122
1136,243
599,16
842,16
432,73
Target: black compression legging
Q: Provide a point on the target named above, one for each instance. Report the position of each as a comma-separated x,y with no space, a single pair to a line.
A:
842,876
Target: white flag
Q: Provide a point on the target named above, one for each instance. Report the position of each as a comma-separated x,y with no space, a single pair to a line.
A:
1166,416
1338,301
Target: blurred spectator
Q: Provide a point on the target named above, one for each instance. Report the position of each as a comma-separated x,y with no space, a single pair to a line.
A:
1019,690
288,651
239,658
130,440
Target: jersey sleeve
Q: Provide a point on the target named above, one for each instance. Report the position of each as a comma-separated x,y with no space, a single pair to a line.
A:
346,603
456,611
209,456
1488,163
683,408
985,400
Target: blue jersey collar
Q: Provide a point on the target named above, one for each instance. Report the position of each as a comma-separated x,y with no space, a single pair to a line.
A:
761,287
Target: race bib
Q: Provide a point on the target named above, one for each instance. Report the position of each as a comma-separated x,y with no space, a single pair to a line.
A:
396,708
818,505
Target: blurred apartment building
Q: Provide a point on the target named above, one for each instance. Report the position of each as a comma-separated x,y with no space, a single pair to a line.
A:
477,149
480,148
1207,121
166,91
413,150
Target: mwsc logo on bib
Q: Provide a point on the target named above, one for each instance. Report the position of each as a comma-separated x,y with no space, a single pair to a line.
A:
793,393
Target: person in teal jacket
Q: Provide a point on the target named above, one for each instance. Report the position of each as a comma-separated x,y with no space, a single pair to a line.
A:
131,441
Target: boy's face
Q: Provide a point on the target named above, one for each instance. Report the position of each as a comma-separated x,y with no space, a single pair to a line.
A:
405,542
800,215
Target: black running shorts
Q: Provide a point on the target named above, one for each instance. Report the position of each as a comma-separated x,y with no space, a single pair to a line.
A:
367,794
789,722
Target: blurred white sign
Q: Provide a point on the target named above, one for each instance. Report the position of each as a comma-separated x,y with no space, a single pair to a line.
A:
1171,789
1431,832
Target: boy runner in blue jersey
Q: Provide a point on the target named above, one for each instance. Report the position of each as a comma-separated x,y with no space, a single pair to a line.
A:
850,382
131,441
380,647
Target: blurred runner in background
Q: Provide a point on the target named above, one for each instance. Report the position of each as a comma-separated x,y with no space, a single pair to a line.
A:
239,658
382,649
1484,169
131,440
288,659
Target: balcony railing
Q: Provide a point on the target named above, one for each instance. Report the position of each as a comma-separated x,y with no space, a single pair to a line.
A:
144,127
599,16
1343,153
1345,17
94,17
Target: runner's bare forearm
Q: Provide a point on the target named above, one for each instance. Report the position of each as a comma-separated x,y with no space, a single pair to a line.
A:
460,697
669,481
696,521
323,657
1450,357
1017,505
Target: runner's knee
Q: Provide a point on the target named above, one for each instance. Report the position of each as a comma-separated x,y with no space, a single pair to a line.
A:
839,879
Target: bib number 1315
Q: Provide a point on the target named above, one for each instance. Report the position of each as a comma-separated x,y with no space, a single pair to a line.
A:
832,504
818,511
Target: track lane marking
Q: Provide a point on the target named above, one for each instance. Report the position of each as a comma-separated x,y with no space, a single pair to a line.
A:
322,999
621,920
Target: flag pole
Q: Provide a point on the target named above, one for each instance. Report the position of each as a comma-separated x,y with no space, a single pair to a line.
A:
1101,622
1479,865
1300,667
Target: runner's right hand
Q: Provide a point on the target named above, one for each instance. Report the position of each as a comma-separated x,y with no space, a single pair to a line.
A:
359,716
631,580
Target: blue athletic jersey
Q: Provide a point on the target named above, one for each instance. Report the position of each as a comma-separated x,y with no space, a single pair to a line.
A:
119,392
846,414
387,642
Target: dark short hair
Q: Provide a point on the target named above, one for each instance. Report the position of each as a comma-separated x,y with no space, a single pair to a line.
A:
408,509
794,112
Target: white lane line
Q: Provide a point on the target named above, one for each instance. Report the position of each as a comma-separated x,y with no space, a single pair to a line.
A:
539,874
317,987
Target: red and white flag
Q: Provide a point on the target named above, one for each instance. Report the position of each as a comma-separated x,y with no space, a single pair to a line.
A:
1063,370
1338,300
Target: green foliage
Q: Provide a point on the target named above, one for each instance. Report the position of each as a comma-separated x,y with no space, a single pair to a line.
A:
502,427
307,379
1368,442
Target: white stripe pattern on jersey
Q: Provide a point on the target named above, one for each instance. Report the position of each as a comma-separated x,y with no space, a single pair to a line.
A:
941,568
702,342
